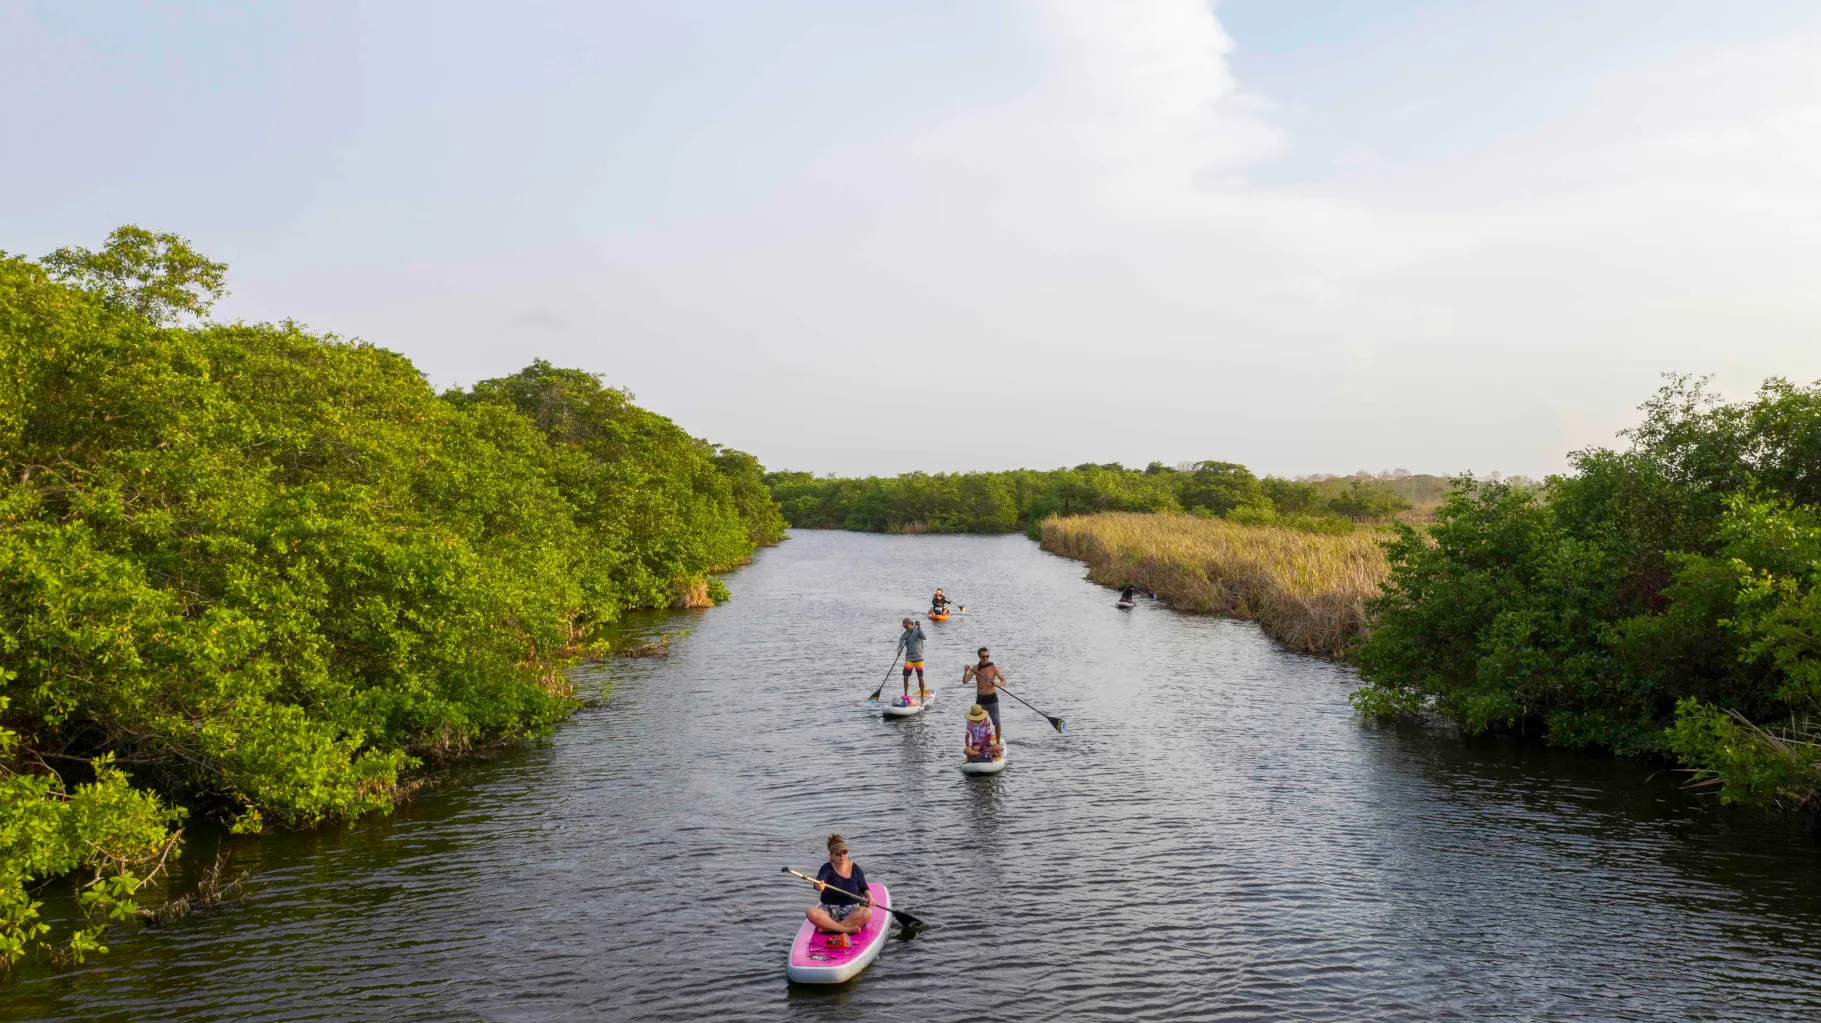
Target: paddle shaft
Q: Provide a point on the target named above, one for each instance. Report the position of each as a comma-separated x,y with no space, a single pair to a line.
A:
888,678
899,913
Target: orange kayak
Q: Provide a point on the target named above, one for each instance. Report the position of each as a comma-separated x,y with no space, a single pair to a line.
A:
934,617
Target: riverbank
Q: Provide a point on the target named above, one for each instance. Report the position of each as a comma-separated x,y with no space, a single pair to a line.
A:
1307,590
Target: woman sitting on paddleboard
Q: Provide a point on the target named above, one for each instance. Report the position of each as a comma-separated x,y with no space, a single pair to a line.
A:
987,676
845,907
979,744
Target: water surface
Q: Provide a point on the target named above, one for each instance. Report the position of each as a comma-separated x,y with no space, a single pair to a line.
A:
1217,837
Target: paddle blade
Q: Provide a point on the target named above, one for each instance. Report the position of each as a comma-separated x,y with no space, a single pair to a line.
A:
910,922
1062,727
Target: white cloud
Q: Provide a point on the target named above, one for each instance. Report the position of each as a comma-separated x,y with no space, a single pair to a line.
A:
1102,245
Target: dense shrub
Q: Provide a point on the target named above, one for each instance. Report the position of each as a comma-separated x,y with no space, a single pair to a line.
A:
258,573
1661,599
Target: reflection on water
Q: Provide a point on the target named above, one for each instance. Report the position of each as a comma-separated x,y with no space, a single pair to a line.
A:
1218,837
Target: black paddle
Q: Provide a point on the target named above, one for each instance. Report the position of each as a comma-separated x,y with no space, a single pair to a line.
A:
888,677
1060,725
904,918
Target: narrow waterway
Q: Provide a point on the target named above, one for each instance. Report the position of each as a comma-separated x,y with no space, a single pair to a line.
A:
1217,837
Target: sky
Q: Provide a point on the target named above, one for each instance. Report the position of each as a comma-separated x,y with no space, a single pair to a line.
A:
872,236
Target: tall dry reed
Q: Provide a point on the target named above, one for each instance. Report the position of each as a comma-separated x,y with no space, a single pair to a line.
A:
1307,590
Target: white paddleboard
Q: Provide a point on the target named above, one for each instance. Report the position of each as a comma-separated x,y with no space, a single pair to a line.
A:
893,709
985,766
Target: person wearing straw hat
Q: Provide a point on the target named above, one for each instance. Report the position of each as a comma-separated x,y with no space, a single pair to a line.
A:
979,744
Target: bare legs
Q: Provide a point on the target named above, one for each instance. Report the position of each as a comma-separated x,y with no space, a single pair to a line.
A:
854,924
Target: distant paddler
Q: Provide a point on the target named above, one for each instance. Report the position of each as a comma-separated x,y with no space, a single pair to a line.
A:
910,644
938,604
986,677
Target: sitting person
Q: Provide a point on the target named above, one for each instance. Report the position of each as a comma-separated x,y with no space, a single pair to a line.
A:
846,905
938,604
1129,594
979,744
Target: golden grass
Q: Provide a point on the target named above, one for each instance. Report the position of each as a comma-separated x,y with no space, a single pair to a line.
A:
1307,590
690,594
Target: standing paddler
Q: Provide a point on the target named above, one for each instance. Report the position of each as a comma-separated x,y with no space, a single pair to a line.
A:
986,677
910,644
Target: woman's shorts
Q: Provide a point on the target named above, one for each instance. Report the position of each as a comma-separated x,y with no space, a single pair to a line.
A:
840,912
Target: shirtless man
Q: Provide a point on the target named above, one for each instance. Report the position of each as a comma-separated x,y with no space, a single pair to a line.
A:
986,677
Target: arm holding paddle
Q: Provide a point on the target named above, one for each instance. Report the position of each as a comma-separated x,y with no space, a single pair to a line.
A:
972,673
903,917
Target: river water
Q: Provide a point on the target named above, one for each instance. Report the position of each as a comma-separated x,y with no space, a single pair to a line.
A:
1216,837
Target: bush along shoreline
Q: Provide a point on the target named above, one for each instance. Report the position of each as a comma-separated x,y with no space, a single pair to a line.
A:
1662,601
259,575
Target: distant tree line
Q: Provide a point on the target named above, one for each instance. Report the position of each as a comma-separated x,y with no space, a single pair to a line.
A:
1020,499
257,574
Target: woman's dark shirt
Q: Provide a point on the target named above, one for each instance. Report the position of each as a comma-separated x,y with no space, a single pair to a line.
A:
855,885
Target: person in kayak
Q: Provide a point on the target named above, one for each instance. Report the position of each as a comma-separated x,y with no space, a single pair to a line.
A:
938,604
1129,593
910,644
846,904
986,677
979,744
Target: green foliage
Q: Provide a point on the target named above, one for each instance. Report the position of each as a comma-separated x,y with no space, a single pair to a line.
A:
1004,502
1219,487
268,572
1358,498
158,277
1660,599
104,826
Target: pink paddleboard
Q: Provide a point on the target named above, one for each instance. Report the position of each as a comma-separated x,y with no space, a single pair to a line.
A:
813,962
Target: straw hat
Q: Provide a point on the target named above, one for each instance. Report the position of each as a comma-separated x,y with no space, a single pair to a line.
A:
976,713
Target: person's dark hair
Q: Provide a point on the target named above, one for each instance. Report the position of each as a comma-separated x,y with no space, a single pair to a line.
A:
980,651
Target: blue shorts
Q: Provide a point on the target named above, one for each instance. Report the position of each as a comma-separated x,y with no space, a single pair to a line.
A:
840,912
